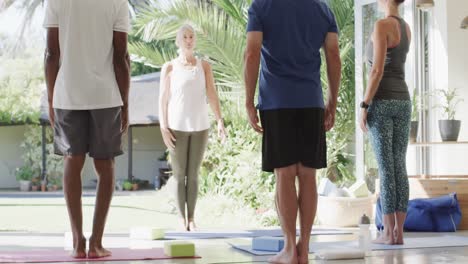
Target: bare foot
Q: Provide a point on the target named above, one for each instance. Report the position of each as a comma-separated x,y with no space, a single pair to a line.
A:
97,251
386,239
284,257
79,249
302,253
192,226
398,237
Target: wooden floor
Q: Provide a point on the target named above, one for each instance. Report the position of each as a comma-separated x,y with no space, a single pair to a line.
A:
219,251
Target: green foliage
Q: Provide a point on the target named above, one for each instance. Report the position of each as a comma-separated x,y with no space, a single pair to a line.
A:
340,168
164,156
450,100
233,168
24,173
138,67
32,152
20,91
220,35
127,185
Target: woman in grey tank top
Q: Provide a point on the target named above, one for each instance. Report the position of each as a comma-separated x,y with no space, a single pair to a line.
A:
386,114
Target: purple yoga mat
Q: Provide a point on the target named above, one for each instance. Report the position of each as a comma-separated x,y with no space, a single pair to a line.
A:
118,254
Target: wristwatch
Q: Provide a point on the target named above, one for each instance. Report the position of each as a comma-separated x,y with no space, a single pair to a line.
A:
364,105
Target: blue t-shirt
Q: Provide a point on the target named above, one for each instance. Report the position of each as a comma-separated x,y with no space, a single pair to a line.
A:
293,33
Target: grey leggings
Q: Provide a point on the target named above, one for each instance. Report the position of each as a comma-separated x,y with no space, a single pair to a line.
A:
389,125
186,160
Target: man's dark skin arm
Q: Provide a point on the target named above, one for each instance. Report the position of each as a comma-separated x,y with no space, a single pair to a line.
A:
51,67
122,72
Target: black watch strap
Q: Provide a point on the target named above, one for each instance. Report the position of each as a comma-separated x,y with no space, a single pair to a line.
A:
364,105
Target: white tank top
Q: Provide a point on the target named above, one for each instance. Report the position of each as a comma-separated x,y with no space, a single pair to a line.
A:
188,109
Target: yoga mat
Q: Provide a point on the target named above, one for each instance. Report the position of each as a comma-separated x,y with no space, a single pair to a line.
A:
246,233
410,243
205,234
118,254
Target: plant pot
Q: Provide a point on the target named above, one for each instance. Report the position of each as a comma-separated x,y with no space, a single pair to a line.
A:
52,188
25,185
134,186
414,131
43,187
34,188
449,129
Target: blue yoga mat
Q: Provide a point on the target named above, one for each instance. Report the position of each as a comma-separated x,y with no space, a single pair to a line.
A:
204,234
410,243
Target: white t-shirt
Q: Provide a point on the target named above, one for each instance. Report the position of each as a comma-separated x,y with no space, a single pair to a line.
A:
86,78
188,108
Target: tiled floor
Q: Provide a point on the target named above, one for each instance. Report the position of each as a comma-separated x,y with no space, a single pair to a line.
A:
219,251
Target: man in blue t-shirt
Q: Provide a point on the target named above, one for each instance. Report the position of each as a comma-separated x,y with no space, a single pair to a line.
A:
286,37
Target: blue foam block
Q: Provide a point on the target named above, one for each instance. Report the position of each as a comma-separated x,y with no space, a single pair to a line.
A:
274,244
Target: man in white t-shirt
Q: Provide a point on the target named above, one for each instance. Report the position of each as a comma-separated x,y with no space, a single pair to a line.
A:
87,70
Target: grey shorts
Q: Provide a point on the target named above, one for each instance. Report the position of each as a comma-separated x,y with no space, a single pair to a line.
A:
97,132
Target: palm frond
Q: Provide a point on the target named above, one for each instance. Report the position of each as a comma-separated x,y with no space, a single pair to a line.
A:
219,41
152,54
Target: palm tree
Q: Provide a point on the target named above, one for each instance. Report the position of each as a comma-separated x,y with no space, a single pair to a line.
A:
220,26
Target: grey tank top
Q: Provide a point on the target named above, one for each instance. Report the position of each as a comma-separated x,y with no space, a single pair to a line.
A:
392,85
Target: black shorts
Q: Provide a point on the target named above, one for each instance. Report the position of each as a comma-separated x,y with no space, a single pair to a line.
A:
291,136
97,132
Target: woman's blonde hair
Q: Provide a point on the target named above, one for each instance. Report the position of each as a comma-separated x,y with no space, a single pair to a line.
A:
180,35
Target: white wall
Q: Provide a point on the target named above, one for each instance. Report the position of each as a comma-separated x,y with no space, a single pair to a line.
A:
458,58
450,70
10,154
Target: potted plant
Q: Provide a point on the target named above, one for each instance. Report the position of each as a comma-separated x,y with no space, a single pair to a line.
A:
35,183
414,117
449,128
24,176
135,183
55,181
127,185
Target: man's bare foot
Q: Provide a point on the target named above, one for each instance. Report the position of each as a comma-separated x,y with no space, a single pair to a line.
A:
96,250
302,253
79,249
191,225
284,257
384,238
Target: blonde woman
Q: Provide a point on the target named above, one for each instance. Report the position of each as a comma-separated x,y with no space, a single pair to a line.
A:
186,83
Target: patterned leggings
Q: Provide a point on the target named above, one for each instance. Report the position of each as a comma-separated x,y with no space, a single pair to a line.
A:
389,124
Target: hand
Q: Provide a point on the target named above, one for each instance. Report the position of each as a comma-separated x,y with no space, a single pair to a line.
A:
363,121
330,110
168,137
221,130
124,119
51,116
253,118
